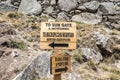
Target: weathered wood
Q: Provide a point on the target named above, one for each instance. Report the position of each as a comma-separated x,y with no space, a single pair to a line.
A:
58,35
60,64
45,45
57,77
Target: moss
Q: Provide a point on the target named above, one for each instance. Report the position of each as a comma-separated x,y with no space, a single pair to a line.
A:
15,15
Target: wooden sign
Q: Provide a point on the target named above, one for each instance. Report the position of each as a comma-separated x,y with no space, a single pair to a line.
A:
58,35
60,64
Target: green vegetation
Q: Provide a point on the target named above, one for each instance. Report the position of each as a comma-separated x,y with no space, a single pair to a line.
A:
112,58
16,70
15,15
20,45
78,57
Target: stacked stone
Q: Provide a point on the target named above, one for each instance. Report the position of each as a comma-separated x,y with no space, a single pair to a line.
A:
85,11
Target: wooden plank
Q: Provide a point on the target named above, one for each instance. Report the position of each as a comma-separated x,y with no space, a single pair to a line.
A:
62,32
57,77
58,64
45,45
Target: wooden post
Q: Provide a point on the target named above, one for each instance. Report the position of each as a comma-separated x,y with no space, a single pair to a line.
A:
57,77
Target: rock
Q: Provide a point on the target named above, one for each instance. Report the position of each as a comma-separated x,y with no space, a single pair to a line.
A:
1,53
67,5
38,68
82,8
5,7
4,42
15,53
91,6
74,76
63,16
118,64
30,7
53,2
77,11
92,55
108,25
82,1
49,10
87,18
107,8
104,42
116,26
117,7
46,2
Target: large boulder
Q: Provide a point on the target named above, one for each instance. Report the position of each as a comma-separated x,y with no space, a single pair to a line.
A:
87,18
49,10
38,68
91,54
67,5
5,7
92,6
104,42
30,7
107,8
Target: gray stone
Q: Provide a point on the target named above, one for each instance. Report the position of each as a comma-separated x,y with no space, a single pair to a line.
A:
46,2
117,7
82,1
63,16
5,7
15,53
87,18
67,5
108,25
30,7
83,8
116,26
91,6
53,2
38,68
107,8
104,41
49,10
91,54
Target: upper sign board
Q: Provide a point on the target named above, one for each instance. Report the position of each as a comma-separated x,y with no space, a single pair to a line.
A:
58,35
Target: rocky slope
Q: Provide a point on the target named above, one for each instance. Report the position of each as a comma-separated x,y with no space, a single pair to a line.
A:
97,56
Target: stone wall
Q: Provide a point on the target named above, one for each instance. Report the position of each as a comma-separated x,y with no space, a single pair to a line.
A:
84,11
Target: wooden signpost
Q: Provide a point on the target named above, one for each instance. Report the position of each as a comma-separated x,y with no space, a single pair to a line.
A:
58,36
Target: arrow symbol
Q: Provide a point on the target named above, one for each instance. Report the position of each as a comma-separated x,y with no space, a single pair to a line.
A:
57,45
61,69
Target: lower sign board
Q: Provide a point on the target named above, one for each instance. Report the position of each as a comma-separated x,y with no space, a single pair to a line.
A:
60,64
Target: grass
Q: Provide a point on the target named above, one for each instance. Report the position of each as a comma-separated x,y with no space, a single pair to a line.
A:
110,69
15,15
20,45
16,70
78,57
112,59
